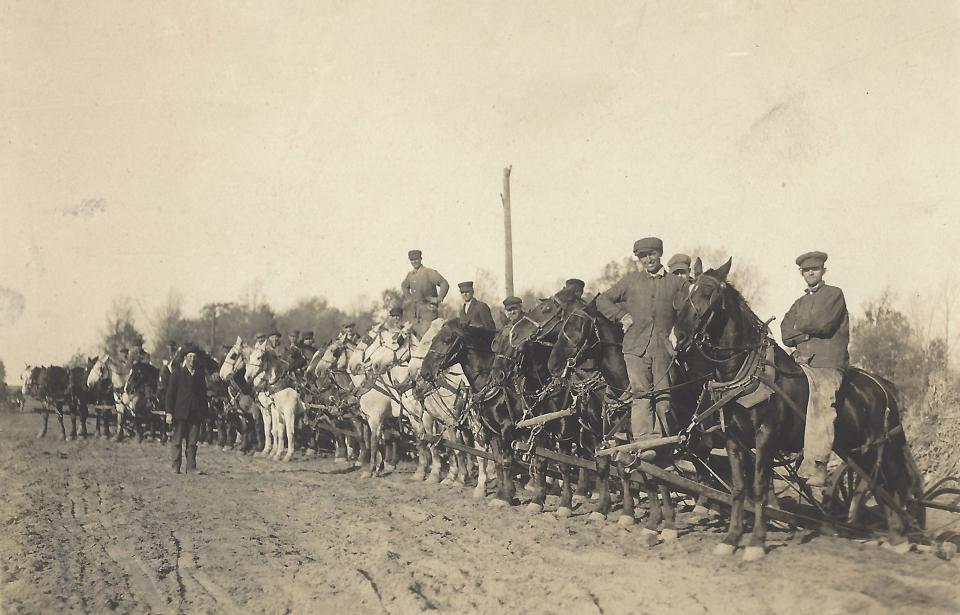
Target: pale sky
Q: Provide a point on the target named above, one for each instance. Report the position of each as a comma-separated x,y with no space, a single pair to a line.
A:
205,146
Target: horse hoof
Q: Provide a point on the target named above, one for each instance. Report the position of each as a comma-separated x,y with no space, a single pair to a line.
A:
597,516
594,497
669,535
417,477
366,475
625,521
358,464
73,438
390,467
40,435
446,482
723,549
339,460
701,511
753,554
496,503
479,492
899,549
224,448
530,487
563,512
533,508
286,458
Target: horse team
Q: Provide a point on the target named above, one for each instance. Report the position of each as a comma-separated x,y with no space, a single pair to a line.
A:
556,380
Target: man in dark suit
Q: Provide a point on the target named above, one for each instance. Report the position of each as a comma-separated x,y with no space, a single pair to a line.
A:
186,407
475,313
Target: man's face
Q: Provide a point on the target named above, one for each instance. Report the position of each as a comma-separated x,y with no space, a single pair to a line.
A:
467,295
394,319
650,261
512,313
813,275
274,340
190,360
415,263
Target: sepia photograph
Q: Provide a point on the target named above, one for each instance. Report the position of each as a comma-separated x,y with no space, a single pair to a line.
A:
327,307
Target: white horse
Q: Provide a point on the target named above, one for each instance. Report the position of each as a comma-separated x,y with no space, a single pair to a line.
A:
233,370
280,401
379,369
107,367
440,416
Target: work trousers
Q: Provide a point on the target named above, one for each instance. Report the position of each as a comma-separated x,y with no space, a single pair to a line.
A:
647,374
189,432
821,413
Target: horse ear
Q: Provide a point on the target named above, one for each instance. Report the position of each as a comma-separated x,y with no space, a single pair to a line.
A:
697,267
724,270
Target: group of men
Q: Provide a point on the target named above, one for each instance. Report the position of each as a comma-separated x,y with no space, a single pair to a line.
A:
646,303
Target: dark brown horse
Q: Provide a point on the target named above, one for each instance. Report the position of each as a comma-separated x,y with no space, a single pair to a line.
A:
718,334
50,385
588,342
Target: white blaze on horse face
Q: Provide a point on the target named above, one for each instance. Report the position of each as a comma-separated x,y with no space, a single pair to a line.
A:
254,364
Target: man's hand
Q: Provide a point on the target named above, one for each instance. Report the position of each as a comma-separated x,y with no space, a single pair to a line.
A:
626,322
169,419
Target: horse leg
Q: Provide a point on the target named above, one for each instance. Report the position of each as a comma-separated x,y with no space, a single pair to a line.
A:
63,429
565,508
762,486
375,437
480,491
731,541
436,463
540,486
627,517
73,421
119,436
46,413
508,488
603,489
583,485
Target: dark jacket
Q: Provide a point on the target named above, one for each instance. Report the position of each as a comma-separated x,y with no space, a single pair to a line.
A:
818,325
187,395
652,301
478,315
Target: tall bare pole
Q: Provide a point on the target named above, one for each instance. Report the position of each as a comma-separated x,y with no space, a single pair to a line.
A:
507,232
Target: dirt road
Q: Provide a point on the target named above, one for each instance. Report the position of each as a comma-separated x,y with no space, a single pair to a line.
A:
95,526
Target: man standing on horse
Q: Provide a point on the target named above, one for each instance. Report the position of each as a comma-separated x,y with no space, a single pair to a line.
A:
421,282
186,407
475,313
818,326
646,304
429,311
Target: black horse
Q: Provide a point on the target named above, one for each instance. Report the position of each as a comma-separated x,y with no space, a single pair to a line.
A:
50,385
718,335
78,399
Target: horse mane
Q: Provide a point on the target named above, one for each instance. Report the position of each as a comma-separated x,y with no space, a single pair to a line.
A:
482,337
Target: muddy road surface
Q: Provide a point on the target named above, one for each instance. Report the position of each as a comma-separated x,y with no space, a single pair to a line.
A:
97,527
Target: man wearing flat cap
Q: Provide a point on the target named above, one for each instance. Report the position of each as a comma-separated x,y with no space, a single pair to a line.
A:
646,304
186,407
421,282
818,326
574,288
512,311
475,313
679,265
348,333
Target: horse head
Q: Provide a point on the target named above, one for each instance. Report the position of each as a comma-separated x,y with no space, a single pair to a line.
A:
576,338
234,361
705,300
444,350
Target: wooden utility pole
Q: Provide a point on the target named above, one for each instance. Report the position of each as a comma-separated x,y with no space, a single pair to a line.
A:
507,232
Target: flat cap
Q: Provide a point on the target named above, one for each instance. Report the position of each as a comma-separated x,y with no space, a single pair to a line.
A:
678,262
275,333
576,283
349,325
412,254
191,349
396,311
261,336
811,259
464,286
648,244
307,336
512,302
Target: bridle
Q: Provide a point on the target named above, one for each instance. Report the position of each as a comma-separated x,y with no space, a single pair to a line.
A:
541,328
699,336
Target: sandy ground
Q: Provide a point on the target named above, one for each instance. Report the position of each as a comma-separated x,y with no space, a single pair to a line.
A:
94,526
